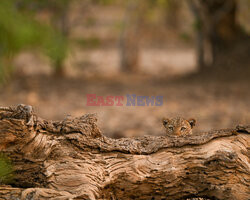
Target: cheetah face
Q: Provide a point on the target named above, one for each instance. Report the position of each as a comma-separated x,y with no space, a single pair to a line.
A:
178,126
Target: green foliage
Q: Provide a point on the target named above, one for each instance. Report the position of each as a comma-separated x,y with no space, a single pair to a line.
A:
6,172
6,69
185,37
91,42
55,5
54,46
19,30
197,25
16,31
104,2
160,3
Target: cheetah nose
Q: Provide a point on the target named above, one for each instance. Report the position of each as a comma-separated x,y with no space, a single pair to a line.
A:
177,132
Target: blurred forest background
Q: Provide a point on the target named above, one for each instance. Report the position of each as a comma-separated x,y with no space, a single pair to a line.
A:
194,53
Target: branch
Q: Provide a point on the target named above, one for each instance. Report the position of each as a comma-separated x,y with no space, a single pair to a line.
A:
72,159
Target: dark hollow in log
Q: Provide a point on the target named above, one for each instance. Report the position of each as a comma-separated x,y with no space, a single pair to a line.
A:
71,159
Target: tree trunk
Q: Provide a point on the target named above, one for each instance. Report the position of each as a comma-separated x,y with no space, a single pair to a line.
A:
218,32
130,37
71,159
60,21
172,14
199,36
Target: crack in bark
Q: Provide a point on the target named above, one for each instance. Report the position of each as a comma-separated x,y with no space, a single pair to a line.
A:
71,159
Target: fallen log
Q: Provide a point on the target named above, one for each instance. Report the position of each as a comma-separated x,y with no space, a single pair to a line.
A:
72,159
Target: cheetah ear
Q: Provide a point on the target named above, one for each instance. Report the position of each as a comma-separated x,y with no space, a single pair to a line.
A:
165,121
192,122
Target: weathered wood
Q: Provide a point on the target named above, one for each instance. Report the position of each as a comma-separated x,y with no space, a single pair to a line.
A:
71,159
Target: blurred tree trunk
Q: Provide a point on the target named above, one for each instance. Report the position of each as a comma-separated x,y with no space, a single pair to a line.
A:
130,37
172,14
60,20
200,61
59,68
217,30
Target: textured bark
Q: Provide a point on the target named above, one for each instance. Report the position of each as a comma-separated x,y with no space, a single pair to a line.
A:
71,159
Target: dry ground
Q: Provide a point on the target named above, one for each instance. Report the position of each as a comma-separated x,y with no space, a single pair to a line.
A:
215,104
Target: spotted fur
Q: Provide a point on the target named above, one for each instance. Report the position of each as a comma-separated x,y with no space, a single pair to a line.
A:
178,126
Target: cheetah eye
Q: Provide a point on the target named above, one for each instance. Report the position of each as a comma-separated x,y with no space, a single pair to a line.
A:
171,128
183,128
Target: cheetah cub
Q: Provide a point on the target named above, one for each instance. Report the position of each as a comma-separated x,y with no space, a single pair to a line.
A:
178,126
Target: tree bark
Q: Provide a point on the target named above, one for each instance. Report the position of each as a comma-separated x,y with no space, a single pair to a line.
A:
71,159
218,34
